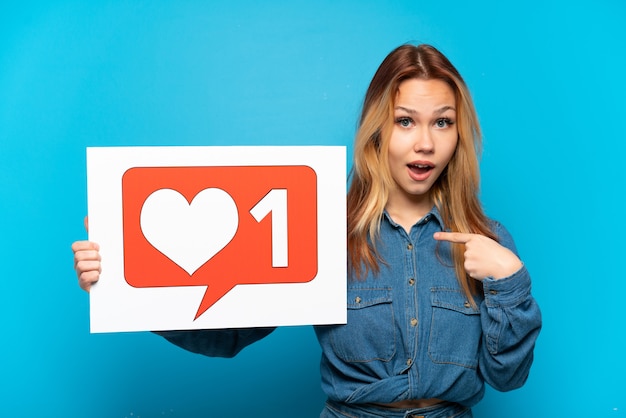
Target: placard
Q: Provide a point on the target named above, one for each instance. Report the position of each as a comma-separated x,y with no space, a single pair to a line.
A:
217,237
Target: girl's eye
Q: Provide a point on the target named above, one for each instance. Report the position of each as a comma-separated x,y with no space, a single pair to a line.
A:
443,122
404,122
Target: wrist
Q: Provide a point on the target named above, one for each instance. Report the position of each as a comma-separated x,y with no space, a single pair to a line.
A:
508,269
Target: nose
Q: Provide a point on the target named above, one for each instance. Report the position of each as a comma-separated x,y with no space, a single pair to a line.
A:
423,141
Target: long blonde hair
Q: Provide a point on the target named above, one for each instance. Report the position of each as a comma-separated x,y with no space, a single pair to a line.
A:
455,193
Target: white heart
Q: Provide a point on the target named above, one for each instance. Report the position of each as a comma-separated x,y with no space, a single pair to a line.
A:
189,234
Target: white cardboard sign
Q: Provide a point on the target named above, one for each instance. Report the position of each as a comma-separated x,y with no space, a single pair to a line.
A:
217,237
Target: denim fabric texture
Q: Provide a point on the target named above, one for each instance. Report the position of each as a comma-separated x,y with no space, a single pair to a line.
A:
411,332
442,410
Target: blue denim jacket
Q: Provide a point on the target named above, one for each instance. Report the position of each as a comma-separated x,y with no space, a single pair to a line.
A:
411,332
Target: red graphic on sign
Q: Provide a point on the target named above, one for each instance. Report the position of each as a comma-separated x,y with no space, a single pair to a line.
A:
219,227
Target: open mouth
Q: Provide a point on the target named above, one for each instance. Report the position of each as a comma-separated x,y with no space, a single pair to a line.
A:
420,169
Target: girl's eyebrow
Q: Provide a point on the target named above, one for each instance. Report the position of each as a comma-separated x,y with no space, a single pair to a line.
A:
439,111
444,109
407,110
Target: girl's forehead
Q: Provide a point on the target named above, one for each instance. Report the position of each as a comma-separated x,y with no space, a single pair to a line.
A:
423,94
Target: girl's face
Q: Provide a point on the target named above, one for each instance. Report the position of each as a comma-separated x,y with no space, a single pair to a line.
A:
423,139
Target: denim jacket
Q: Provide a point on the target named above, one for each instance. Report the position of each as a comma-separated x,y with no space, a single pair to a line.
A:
411,332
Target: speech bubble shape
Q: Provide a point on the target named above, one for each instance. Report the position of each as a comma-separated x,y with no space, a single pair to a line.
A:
276,233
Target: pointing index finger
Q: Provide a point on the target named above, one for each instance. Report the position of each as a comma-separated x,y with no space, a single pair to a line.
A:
457,237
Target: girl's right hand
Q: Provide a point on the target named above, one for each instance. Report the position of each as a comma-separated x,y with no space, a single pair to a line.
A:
87,263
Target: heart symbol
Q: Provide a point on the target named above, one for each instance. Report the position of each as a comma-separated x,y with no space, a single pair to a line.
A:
189,234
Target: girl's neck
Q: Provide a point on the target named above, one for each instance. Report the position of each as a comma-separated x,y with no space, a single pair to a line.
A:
406,212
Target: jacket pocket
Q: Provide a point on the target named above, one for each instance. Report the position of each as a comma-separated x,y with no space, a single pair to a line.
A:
455,329
369,334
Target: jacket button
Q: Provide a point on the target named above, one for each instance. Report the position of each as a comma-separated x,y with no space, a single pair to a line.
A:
413,322
357,300
409,247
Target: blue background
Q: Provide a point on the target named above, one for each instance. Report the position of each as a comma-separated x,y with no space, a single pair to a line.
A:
548,81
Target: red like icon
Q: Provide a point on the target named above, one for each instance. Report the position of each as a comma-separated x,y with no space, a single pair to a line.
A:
219,227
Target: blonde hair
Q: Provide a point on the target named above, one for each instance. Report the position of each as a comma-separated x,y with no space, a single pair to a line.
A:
455,193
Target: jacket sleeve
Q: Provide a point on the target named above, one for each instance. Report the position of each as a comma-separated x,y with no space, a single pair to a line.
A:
511,321
216,343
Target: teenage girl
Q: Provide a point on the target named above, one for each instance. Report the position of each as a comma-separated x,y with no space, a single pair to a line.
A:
438,300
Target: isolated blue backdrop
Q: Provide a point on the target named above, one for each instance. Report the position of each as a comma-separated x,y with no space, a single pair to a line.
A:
548,81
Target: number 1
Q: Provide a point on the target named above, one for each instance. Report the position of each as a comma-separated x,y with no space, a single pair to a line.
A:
276,203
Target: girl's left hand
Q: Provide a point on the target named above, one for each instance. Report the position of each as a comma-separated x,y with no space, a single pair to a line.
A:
484,257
